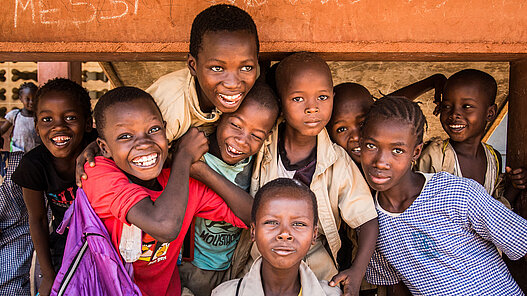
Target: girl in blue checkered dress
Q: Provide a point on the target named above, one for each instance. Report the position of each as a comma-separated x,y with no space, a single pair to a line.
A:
438,234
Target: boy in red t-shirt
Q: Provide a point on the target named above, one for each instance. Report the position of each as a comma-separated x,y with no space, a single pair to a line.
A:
129,186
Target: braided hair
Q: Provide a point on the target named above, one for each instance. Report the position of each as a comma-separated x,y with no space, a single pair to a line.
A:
401,109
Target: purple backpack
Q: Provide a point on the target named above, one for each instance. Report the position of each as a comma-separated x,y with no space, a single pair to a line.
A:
91,265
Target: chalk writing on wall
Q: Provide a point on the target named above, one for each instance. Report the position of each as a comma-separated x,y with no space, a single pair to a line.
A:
44,13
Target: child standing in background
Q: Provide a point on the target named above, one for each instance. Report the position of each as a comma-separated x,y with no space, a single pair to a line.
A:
438,233
468,104
16,246
47,173
24,136
300,148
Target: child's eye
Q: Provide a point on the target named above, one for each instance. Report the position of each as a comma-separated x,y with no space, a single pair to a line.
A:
323,97
216,69
154,129
235,125
271,222
370,146
299,224
398,151
361,123
71,117
124,137
257,137
341,129
298,99
46,119
247,68
466,106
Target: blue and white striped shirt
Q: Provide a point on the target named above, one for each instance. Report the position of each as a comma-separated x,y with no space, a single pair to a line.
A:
445,242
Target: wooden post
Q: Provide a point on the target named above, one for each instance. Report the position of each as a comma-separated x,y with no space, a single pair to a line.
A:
50,70
517,150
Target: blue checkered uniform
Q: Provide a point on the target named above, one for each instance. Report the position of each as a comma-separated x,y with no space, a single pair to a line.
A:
445,242
16,246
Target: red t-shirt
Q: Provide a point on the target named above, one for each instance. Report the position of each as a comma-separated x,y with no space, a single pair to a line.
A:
112,195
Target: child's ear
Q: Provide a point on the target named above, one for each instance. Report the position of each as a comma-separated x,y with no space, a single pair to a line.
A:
417,152
315,234
492,112
89,124
253,236
191,64
104,148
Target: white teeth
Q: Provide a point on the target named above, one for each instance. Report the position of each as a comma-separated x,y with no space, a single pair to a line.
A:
233,150
60,140
145,160
356,149
231,99
456,126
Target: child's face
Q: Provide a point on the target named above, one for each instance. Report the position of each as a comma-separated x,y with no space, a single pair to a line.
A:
61,124
242,133
345,124
307,101
465,112
27,97
225,69
388,148
284,230
135,138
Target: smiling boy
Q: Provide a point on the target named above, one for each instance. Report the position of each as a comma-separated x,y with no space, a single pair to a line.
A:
284,226
129,186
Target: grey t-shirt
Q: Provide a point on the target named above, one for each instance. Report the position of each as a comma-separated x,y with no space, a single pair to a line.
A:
24,136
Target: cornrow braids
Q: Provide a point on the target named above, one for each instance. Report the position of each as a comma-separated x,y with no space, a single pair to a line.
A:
29,85
399,108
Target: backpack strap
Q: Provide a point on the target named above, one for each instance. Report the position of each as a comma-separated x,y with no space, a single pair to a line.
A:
238,287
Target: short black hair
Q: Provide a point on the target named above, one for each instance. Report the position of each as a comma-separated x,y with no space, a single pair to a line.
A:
264,96
281,184
484,81
122,94
220,17
29,85
400,109
296,62
65,86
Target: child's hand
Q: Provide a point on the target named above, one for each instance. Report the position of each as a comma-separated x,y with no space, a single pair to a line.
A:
87,155
193,144
518,177
45,286
439,81
350,279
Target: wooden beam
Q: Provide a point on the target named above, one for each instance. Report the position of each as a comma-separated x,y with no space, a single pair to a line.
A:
112,75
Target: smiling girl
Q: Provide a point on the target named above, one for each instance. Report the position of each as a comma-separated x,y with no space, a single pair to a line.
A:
63,121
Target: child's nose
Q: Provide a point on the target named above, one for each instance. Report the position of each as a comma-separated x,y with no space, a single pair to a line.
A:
284,236
311,110
231,80
381,161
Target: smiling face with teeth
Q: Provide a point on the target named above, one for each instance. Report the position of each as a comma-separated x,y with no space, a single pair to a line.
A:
134,137
240,135
61,124
465,112
225,69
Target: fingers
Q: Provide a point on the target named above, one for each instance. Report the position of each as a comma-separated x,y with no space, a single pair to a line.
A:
517,176
337,279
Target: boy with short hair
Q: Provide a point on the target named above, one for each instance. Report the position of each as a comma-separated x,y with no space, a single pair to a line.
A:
284,226
222,69
129,186
467,106
238,137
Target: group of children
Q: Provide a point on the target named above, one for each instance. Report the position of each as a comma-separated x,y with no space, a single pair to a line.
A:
192,151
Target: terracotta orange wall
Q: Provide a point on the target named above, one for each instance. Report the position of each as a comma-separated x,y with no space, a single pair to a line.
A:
370,29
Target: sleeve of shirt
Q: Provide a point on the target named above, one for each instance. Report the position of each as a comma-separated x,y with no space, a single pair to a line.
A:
430,157
29,174
168,92
10,116
380,272
494,222
211,206
355,201
109,191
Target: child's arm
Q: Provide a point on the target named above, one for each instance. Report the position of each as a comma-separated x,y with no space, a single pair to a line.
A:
412,91
352,277
399,289
517,181
39,230
163,218
5,127
86,156
239,201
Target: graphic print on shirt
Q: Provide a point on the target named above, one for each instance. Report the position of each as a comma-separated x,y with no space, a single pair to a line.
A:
153,251
62,199
219,233
424,244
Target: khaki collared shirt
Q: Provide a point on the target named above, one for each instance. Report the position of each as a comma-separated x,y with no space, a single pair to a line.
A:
251,284
177,98
341,191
